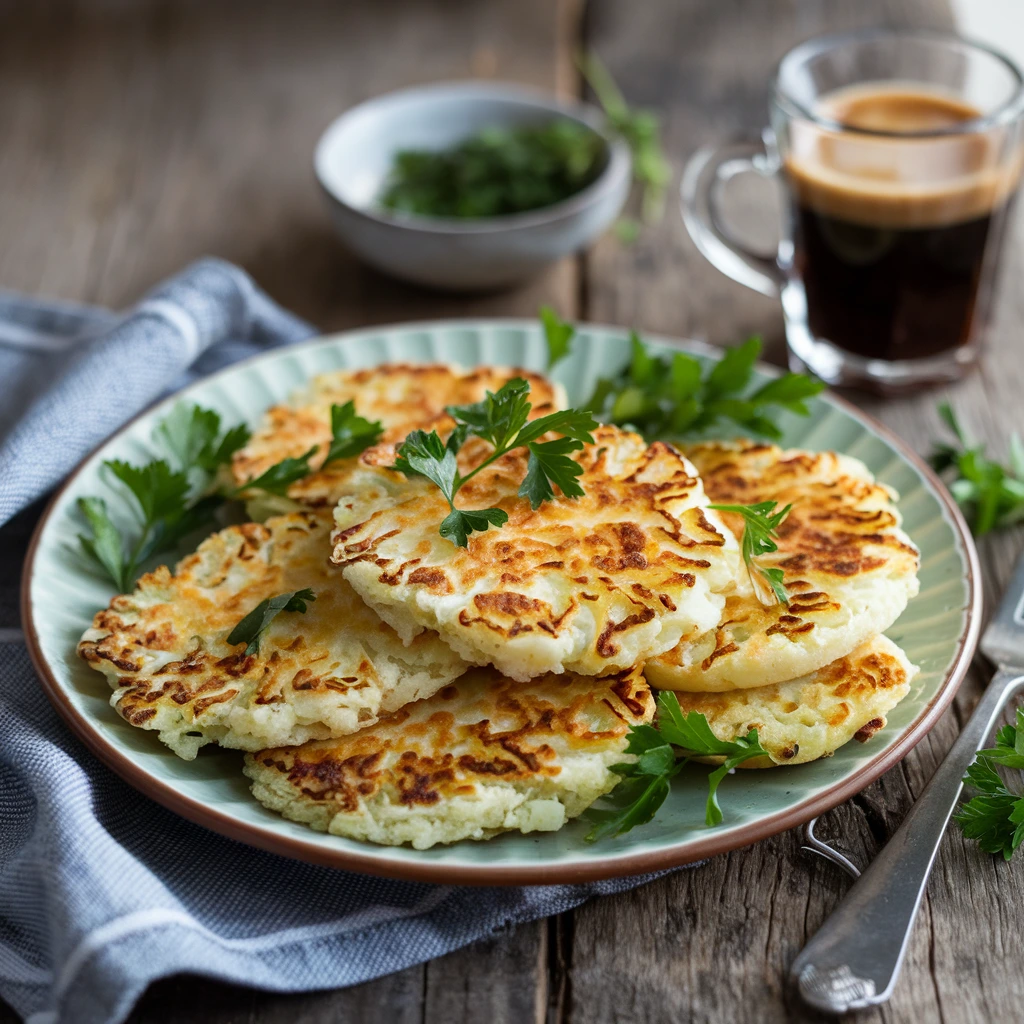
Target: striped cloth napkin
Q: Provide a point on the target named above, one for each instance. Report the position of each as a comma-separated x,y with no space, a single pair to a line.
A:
102,891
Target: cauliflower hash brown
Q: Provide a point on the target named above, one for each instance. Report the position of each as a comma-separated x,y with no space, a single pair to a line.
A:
403,397
482,756
849,569
324,673
432,693
590,585
813,716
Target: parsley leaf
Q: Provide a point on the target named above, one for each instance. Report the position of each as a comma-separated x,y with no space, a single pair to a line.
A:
159,490
671,396
990,494
280,476
167,496
558,334
994,817
760,528
501,419
251,629
645,785
104,546
351,434
550,466
163,508
192,435
460,523
499,416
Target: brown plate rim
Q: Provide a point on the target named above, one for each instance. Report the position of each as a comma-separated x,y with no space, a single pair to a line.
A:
639,863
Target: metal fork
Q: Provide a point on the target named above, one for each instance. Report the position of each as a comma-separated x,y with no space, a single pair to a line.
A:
854,959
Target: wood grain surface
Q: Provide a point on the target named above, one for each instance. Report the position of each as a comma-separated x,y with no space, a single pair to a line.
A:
140,135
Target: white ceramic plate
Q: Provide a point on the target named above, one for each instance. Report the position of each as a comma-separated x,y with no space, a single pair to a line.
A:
938,631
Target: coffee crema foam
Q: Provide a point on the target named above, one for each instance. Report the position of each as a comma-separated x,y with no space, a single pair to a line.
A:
889,181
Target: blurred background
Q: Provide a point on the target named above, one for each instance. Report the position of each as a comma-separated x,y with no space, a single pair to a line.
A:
140,134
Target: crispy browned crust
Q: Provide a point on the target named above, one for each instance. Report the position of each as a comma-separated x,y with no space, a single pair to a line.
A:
842,526
403,396
479,729
811,717
626,553
164,647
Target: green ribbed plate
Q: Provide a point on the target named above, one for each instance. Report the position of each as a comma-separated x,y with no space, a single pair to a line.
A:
938,632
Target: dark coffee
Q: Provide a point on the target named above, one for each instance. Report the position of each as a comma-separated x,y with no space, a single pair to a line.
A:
891,232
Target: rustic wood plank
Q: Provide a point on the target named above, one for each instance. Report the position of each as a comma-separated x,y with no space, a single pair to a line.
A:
713,943
140,136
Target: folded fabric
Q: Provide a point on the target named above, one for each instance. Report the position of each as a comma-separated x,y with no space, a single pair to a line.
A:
101,890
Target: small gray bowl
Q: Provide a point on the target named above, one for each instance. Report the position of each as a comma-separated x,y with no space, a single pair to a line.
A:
355,155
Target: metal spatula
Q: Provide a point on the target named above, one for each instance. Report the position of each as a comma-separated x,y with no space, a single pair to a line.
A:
854,959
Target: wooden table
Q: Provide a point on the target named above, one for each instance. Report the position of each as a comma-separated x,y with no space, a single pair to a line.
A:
139,135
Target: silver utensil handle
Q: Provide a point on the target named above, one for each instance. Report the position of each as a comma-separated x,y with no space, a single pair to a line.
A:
854,959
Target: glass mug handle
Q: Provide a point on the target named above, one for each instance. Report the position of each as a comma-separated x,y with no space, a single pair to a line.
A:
706,175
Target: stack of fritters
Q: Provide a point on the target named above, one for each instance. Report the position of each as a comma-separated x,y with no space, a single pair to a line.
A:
433,693
815,673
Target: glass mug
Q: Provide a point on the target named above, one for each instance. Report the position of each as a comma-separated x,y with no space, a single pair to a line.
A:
899,153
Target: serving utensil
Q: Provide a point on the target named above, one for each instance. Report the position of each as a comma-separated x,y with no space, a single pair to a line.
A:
854,959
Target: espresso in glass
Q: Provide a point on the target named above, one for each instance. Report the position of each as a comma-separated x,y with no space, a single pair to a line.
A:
891,230
898,152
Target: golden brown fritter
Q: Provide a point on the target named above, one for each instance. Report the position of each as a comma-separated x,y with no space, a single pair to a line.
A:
812,716
324,673
404,397
591,585
482,756
849,569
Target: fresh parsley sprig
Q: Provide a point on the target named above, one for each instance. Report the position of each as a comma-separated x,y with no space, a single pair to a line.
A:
641,130
760,528
168,502
994,817
174,496
251,629
351,435
192,436
502,419
673,397
646,781
990,494
558,334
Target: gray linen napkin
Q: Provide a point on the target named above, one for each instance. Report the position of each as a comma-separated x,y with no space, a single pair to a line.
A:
102,891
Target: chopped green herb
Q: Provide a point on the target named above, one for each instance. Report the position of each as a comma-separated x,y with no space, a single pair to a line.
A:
645,781
251,629
498,171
